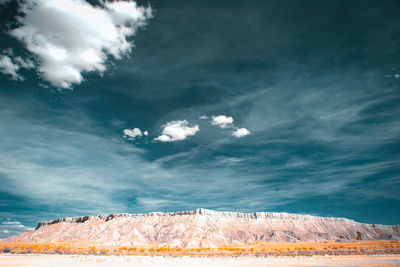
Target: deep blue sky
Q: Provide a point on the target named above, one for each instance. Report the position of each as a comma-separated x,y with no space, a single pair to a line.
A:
317,84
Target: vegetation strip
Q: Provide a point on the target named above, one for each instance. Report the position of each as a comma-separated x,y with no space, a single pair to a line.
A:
262,249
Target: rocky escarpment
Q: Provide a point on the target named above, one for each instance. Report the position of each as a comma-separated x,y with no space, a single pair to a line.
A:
204,228
252,215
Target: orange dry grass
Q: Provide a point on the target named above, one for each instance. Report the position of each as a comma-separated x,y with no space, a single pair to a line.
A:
253,249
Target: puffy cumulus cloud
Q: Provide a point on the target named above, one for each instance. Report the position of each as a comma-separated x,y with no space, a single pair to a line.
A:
227,122
240,132
70,37
222,121
133,133
9,228
176,131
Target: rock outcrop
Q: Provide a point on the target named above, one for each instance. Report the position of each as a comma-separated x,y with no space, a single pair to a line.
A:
204,228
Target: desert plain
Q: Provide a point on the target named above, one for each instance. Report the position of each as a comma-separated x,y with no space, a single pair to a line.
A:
83,253
13,260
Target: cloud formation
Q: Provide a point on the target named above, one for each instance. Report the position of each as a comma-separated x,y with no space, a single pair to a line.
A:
177,131
71,37
227,122
240,132
10,65
8,228
131,134
222,121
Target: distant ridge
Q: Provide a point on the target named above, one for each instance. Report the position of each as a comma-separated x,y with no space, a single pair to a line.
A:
200,211
204,228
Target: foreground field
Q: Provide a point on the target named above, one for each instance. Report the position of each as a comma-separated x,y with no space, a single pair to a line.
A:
255,249
146,261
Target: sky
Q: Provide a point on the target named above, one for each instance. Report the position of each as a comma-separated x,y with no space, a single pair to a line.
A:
123,106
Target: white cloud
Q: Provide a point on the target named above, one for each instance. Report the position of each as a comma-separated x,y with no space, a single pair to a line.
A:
11,222
227,122
70,37
131,134
176,131
222,121
10,64
8,228
163,138
146,133
240,132
203,117
7,66
24,63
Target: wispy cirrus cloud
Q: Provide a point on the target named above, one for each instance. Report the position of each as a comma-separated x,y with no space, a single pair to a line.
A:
76,37
67,150
8,228
326,129
272,169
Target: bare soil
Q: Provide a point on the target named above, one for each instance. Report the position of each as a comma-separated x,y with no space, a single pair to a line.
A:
18,260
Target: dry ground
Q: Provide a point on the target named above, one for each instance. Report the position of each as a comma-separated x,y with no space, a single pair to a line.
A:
19,260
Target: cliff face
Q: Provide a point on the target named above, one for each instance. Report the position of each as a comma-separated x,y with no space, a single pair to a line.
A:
204,228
